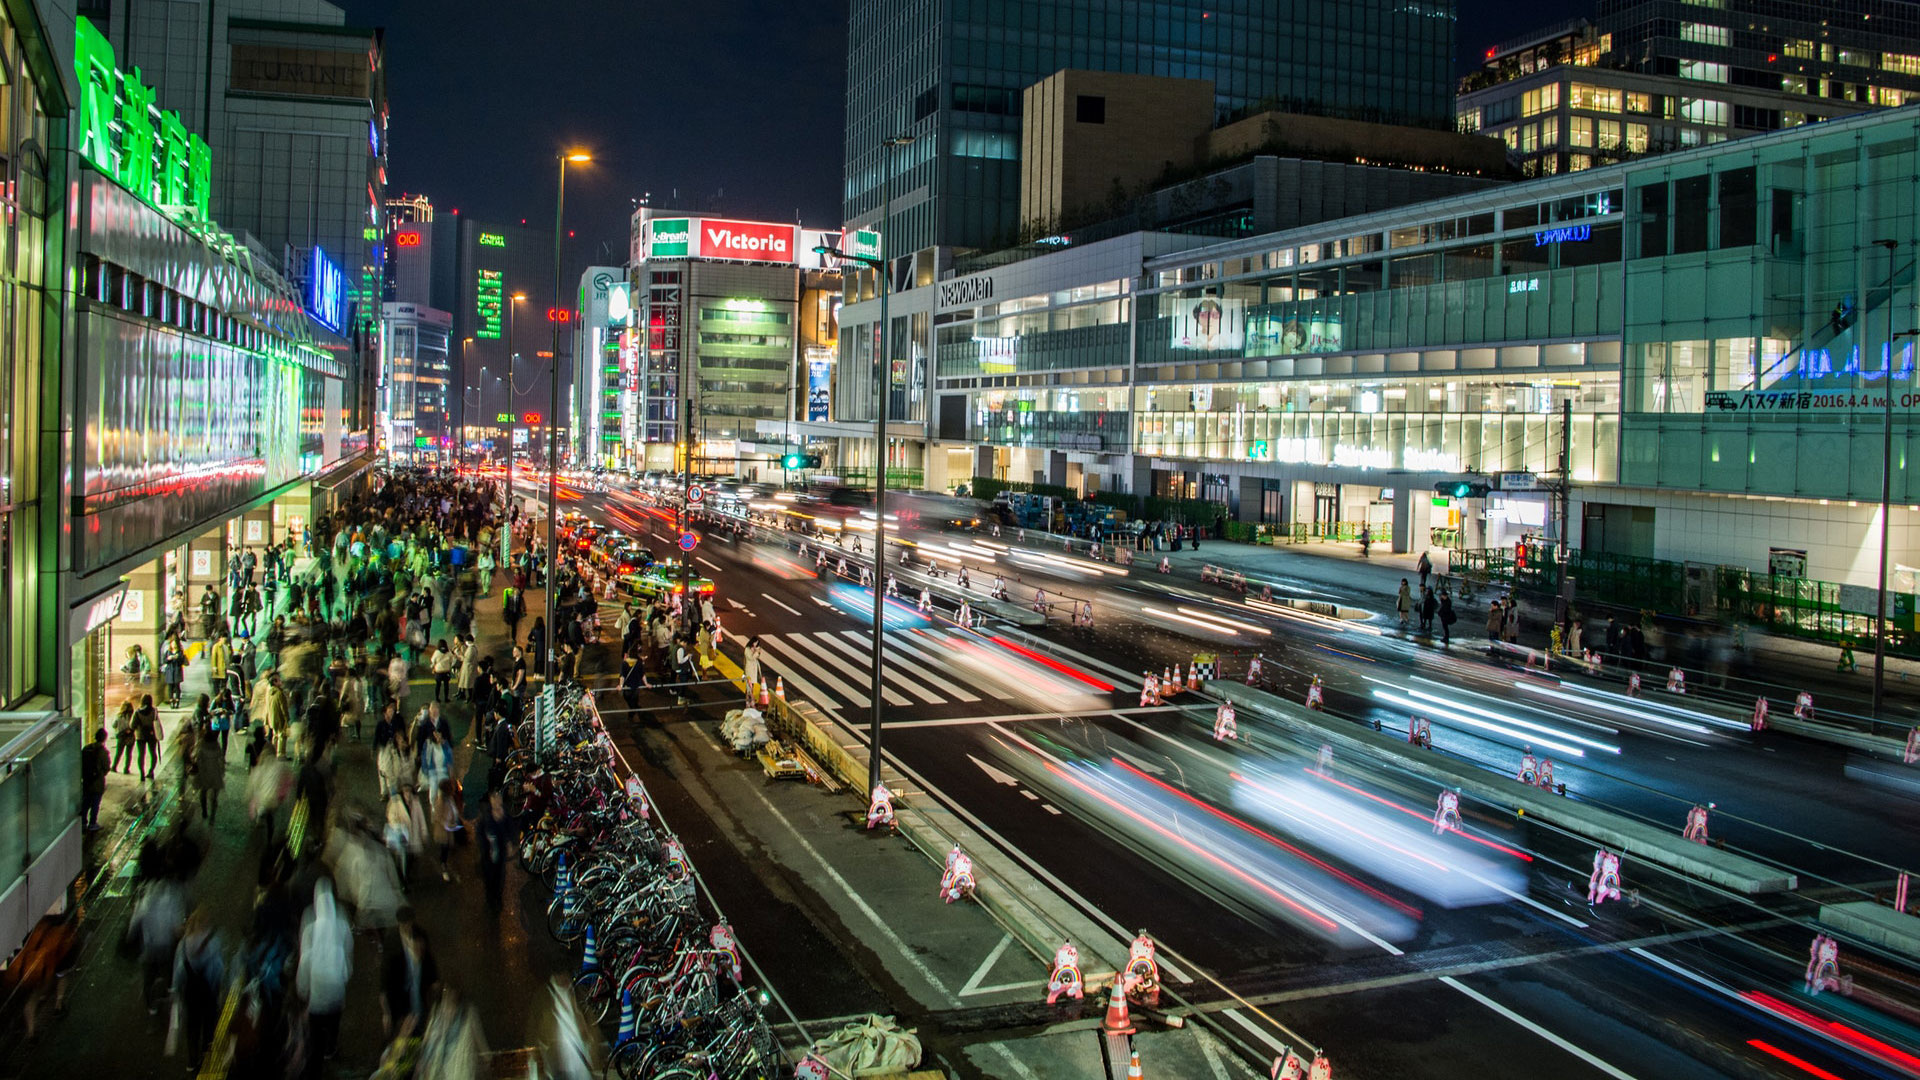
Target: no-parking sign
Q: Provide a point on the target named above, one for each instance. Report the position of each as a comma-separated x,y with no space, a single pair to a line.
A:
687,541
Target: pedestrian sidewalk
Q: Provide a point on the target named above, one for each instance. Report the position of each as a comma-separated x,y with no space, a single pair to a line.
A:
497,961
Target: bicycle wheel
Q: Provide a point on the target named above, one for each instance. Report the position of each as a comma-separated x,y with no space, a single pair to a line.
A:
593,992
565,926
625,1060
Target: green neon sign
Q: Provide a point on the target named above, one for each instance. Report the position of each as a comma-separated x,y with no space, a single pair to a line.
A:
671,239
503,418
145,149
487,298
492,239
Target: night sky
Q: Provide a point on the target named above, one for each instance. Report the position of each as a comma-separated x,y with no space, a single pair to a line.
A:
736,104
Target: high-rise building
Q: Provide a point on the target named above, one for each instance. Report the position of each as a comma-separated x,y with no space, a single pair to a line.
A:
725,313
951,73
292,104
503,347
1649,78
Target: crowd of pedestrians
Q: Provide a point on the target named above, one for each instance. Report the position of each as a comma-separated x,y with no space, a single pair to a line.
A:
317,646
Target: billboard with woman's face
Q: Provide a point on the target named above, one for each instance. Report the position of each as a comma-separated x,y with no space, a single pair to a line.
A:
1209,323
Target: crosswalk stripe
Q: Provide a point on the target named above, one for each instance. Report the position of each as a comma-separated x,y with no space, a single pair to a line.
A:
791,665
891,671
916,647
826,655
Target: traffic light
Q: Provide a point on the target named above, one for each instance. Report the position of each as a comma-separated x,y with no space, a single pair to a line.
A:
800,461
1462,489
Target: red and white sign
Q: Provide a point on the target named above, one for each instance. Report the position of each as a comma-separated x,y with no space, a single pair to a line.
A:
410,238
755,241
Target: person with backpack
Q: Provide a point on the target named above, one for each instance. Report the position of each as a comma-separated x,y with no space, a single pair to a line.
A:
123,738
147,734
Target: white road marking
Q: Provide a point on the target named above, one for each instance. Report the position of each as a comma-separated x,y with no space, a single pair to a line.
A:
826,655
842,884
995,775
891,672
906,643
703,559
993,957
1550,1036
771,600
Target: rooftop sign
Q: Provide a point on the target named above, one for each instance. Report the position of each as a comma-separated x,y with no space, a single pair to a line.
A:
145,149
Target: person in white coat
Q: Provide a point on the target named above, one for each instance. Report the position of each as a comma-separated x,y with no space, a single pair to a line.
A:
326,963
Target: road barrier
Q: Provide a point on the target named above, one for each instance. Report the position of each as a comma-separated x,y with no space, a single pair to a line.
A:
1616,832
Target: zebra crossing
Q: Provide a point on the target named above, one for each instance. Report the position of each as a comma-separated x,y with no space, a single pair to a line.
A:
924,668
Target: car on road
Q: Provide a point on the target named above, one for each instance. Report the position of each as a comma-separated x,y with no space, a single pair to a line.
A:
662,579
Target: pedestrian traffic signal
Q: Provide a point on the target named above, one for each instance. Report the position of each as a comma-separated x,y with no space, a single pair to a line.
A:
1462,489
800,461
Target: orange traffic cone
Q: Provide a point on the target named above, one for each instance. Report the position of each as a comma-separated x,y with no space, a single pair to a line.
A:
1193,677
780,687
1117,1021
1166,680
1133,1067
764,701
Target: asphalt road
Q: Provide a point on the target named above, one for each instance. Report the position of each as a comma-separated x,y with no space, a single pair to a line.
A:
1320,892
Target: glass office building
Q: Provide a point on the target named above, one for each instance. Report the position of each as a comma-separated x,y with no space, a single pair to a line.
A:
1702,337
951,73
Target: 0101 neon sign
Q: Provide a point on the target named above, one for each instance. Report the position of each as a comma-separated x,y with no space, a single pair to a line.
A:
145,149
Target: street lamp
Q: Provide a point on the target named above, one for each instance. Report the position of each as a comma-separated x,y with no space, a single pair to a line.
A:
1886,493
571,157
460,449
513,410
884,381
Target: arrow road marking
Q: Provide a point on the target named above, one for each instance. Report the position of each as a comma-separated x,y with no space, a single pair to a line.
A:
738,606
994,774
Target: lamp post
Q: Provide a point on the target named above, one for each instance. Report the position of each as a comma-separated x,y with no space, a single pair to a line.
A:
576,157
884,380
1886,494
460,451
513,418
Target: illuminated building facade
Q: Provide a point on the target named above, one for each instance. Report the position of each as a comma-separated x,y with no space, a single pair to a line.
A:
1702,336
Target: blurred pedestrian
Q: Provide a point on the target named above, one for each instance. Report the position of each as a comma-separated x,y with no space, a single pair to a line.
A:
496,837
326,964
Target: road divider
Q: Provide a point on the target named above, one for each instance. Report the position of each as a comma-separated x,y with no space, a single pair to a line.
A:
1024,906
1616,832
1876,924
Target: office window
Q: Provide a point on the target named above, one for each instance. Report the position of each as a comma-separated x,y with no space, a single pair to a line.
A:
1640,103
1550,133
1739,208
1596,98
1607,135
1703,33
1580,132
1703,71
1544,99
1653,220
1704,111
1636,138
1690,214
1901,63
